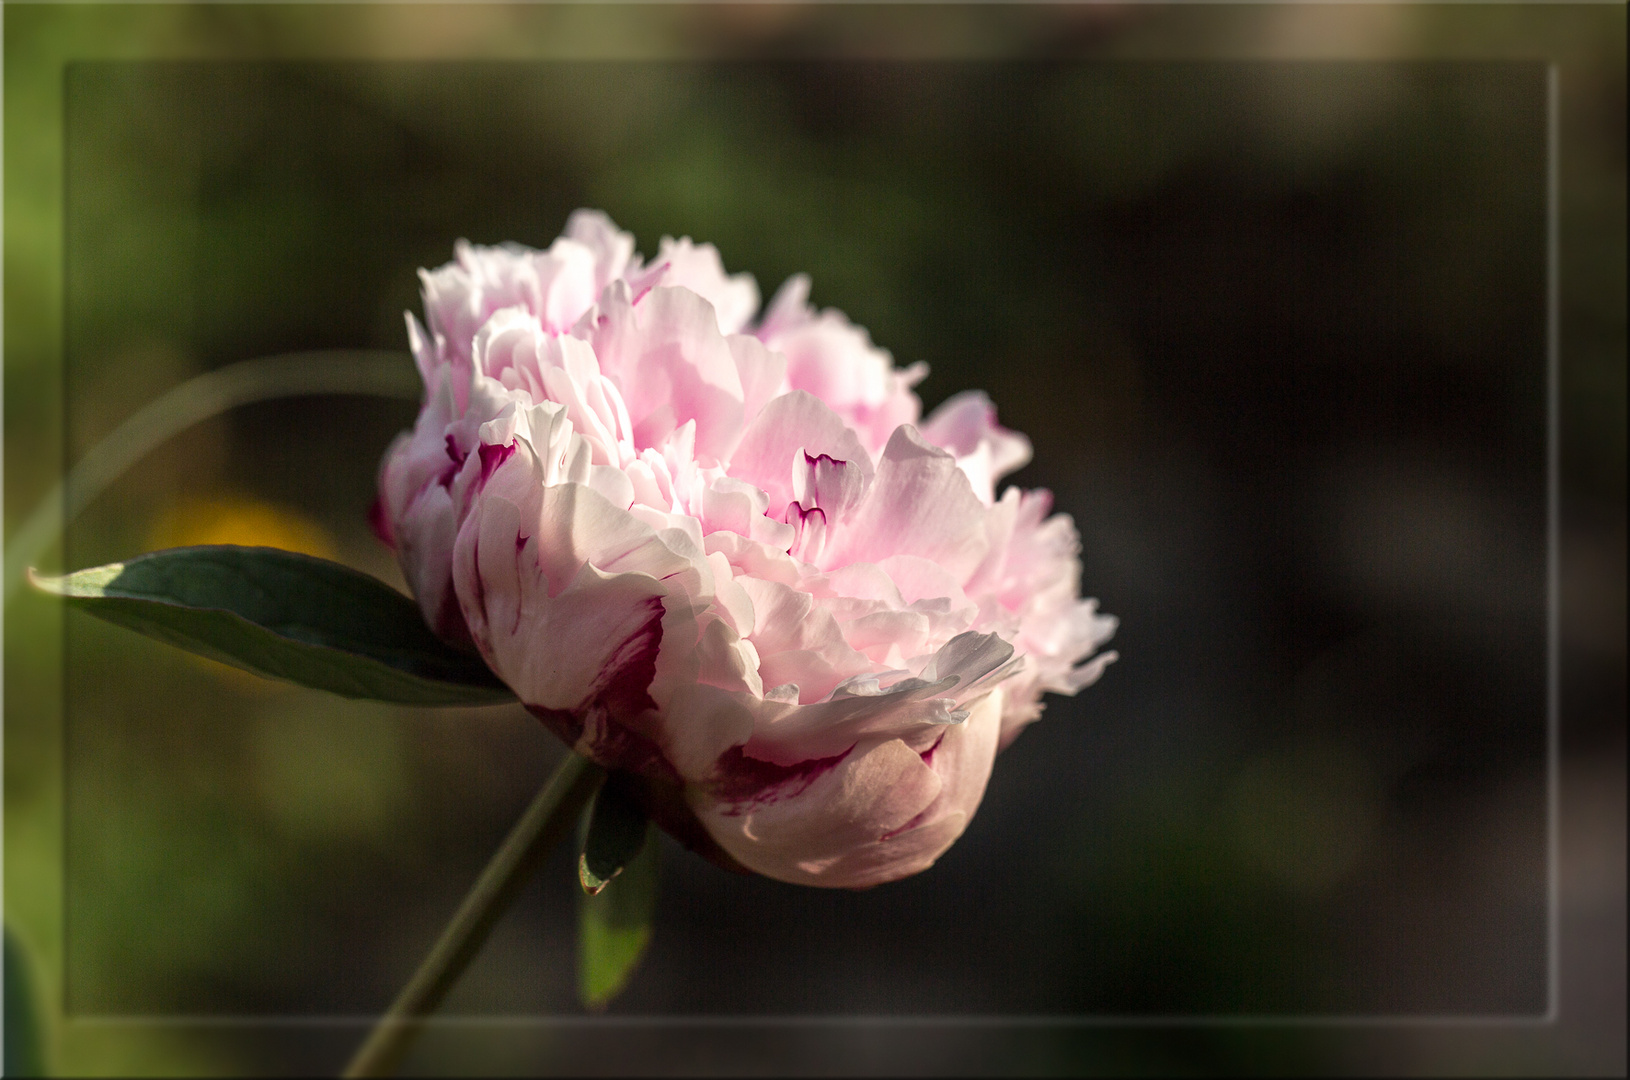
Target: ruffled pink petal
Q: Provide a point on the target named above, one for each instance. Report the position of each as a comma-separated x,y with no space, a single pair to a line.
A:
835,486
705,689
794,824
417,506
611,248
558,644
919,504
771,453
559,586
697,267
672,366
763,373
966,426
833,359
797,642
789,308
914,709
878,813
556,286
963,760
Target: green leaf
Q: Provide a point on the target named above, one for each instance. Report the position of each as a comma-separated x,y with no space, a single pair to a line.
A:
614,920
24,1033
285,616
615,834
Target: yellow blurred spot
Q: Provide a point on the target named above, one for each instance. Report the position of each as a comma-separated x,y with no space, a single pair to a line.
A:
228,518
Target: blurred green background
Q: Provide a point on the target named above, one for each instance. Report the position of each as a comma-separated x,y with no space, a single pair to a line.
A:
1275,324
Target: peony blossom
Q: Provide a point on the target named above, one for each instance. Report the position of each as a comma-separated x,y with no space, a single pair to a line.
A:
729,556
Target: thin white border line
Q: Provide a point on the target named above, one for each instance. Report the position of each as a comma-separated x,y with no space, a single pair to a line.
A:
2,506
1553,798
865,1020
1553,537
867,3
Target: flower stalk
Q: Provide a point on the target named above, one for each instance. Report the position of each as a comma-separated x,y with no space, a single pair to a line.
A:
545,823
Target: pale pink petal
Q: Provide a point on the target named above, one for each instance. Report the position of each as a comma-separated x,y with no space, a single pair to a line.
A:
830,357
566,284
962,760
913,709
791,824
417,505
966,426
797,642
702,724
789,309
519,615
918,578
919,504
771,451
425,531
697,267
763,373
671,364
731,505
833,485
611,247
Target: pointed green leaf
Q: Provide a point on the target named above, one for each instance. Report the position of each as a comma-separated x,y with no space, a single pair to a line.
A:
615,834
286,616
614,925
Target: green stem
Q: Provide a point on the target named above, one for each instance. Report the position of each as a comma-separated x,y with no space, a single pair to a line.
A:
545,823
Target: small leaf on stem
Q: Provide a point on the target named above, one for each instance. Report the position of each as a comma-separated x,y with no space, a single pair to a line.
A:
283,615
614,925
614,834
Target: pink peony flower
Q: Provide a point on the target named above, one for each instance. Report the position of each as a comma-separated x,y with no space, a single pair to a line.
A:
729,557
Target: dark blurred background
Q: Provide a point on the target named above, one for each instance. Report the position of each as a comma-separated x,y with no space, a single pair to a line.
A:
1277,329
